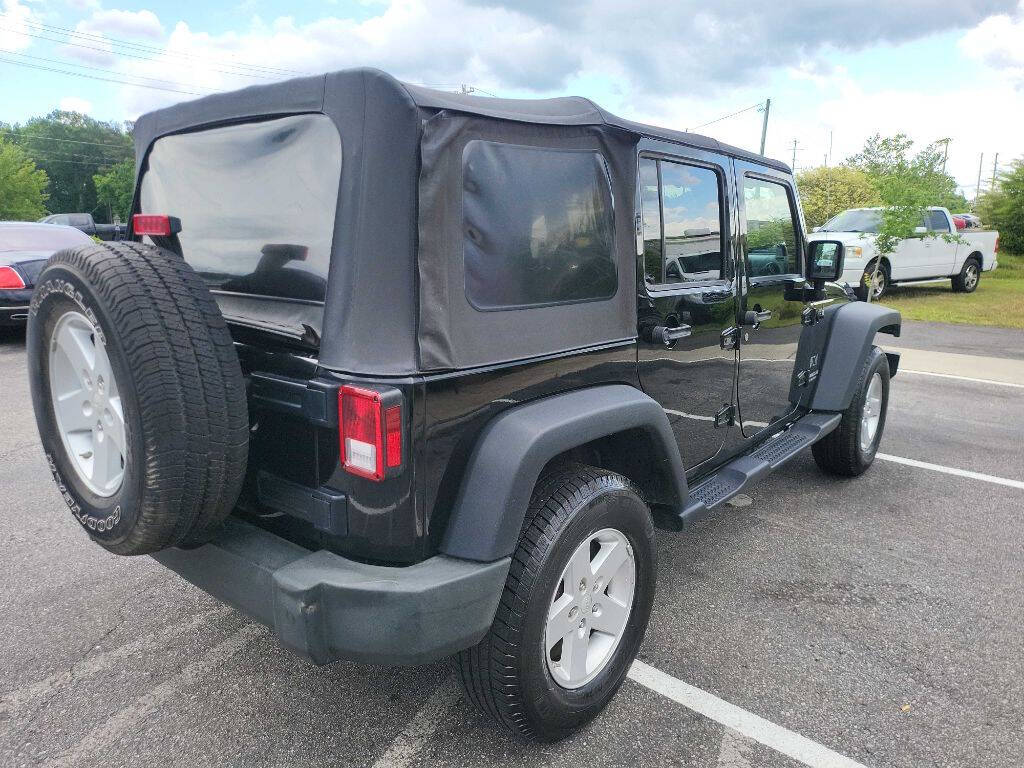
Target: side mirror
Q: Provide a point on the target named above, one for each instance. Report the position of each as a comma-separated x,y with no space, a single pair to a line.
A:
824,261
920,230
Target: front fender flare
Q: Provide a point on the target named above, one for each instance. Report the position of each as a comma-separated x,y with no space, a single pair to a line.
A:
852,333
511,451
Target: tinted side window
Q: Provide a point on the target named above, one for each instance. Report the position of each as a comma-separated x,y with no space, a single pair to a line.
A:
772,245
78,220
937,221
538,226
257,202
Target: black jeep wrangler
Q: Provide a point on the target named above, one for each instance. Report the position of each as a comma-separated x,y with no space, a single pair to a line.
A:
405,374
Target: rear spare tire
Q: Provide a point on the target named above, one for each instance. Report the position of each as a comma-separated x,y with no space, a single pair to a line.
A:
138,395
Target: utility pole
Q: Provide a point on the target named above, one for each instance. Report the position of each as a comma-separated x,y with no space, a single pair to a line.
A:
977,187
764,125
995,165
945,151
793,164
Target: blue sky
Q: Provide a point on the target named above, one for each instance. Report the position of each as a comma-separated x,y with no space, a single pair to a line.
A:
835,71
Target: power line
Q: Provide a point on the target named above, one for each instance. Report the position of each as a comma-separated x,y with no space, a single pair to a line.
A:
726,117
99,69
68,141
97,77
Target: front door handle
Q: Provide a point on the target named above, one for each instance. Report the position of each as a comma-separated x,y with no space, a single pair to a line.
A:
755,318
661,334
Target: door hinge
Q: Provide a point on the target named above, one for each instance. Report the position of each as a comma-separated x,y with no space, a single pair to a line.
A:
730,338
726,416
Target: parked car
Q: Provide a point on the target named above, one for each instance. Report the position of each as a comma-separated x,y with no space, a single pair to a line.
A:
86,223
24,248
932,252
959,221
431,416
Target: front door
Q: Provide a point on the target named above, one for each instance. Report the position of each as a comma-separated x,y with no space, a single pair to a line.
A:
773,243
687,287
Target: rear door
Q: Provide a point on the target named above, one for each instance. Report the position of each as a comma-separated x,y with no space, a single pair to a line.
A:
688,286
940,255
771,231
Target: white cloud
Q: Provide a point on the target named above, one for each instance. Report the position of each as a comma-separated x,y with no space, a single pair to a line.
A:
118,23
12,32
75,104
998,42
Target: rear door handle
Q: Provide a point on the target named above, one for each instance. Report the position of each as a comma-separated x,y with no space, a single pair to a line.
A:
755,318
668,336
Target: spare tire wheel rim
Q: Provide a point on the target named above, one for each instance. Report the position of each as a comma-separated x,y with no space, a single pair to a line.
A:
87,404
871,413
590,608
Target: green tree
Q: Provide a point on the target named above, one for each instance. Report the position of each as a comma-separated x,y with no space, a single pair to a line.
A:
72,148
824,192
115,188
906,186
1003,207
22,185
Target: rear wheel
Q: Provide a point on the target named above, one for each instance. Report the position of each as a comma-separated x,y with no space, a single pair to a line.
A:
850,449
574,609
969,277
138,395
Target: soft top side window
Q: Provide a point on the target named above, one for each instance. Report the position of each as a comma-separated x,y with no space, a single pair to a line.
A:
538,226
682,222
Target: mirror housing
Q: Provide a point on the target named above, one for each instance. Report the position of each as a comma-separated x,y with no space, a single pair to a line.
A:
824,261
920,230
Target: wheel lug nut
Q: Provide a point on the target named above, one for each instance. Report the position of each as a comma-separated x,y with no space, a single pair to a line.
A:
583,584
583,623
596,609
572,612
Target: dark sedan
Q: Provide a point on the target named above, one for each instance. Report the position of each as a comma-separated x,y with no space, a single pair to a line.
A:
24,249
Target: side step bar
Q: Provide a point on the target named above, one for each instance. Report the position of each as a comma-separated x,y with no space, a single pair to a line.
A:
746,470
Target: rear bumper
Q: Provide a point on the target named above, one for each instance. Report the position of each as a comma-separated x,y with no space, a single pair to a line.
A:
326,607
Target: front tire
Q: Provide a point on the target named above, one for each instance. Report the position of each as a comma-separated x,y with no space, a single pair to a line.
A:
850,448
881,283
574,609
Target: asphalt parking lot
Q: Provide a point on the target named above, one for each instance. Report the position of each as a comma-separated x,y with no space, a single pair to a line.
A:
879,618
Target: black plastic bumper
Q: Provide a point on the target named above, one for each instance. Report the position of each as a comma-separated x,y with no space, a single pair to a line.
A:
326,608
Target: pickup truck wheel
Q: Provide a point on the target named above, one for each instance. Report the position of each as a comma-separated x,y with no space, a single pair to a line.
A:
881,284
574,609
850,449
969,277
138,395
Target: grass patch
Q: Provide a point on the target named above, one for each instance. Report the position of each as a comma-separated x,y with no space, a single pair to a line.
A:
999,299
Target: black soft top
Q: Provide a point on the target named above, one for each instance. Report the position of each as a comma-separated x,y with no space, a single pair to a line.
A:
395,220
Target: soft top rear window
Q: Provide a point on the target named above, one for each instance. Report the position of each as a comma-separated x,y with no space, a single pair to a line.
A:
538,226
257,202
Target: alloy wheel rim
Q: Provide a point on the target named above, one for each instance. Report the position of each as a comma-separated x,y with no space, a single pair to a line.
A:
87,404
590,608
871,413
879,284
971,278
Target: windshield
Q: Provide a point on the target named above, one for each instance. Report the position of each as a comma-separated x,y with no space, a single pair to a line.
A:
32,238
854,221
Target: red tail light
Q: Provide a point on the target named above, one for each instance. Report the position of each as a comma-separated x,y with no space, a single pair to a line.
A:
10,280
154,225
371,434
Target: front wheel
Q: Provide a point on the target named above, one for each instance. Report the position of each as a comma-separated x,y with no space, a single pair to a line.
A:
574,609
850,448
879,282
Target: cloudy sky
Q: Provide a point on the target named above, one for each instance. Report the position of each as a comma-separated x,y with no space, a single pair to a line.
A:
836,72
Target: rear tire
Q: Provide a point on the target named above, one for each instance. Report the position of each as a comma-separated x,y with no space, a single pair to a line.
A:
141,317
969,277
515,674
851,447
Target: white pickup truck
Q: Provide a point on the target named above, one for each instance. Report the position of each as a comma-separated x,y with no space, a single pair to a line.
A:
923,257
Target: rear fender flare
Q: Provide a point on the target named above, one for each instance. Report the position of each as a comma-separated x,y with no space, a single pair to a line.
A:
511,451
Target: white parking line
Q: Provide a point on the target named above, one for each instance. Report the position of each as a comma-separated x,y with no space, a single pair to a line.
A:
408,744
963,378
783,740
951,470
